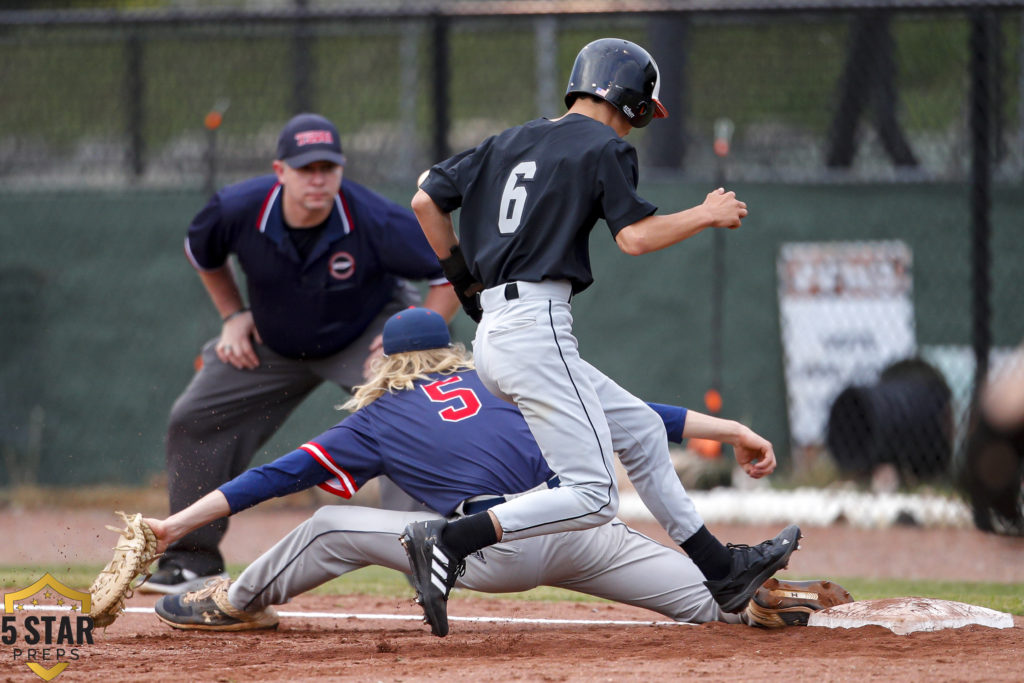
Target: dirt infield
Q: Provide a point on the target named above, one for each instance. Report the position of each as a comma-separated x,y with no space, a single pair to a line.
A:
139,647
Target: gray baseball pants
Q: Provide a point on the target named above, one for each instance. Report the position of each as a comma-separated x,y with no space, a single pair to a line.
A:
226,415
610,561
525,353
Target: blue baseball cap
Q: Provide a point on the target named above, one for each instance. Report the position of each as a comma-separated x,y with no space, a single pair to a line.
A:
307,138
415,329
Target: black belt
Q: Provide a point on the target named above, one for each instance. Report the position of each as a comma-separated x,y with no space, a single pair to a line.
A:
512,291
471,507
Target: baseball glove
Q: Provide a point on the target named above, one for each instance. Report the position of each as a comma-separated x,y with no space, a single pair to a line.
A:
134,552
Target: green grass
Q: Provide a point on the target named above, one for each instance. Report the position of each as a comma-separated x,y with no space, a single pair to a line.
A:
379,581
77,576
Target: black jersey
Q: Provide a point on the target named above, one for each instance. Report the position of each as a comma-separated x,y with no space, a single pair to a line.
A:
531,195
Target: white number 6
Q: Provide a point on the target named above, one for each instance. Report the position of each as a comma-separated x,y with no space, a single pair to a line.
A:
514,196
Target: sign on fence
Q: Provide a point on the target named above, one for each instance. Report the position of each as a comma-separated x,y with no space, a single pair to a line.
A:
845,313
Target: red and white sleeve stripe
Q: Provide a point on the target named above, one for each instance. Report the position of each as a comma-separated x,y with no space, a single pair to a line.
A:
343,484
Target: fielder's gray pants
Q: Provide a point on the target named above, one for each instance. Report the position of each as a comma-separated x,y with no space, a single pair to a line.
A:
610,561
226,415
525,353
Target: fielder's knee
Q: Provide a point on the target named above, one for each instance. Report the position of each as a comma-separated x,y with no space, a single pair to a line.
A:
323,519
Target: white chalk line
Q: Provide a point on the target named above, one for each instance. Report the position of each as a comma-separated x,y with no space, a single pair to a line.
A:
479,620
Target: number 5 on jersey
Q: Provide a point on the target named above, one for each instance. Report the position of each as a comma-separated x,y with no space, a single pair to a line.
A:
441,391
510,214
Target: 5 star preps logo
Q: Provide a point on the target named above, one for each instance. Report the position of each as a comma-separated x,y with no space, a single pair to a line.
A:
46,643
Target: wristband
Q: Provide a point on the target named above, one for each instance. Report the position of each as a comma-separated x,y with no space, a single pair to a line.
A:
457,272
229,316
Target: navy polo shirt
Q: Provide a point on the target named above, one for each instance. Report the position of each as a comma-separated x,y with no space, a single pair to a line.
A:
312,307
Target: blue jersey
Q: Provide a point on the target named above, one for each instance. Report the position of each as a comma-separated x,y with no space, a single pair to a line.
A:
445,440
312,307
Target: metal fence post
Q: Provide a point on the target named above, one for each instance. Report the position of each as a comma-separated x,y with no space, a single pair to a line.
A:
670,35
302,61
133,94
545,40
441,75
982,24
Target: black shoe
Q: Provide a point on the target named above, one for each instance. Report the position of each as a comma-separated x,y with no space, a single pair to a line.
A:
751,566
210,610
434,571
171,579
778,604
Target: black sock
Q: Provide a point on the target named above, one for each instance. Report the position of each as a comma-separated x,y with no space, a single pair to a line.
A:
468,534
712,558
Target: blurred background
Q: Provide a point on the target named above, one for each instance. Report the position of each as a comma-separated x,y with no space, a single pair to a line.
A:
853,320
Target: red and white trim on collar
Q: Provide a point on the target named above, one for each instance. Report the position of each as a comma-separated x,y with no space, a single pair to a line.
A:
346,219
275,192
343,484
268,204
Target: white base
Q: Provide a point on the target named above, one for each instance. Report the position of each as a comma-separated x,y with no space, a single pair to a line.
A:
906,615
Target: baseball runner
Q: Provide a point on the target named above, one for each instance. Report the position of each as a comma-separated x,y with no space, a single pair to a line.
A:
326,261
425,419
529,198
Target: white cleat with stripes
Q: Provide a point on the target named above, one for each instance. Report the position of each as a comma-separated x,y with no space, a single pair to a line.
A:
434,571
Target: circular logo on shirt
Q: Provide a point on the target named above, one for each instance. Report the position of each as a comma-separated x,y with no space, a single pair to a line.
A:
341,265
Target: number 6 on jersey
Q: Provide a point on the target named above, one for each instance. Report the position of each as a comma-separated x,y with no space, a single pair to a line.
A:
512,199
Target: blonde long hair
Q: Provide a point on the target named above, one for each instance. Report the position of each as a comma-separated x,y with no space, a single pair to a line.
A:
399,371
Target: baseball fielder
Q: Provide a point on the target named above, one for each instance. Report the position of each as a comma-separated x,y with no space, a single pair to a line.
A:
529,198
425,419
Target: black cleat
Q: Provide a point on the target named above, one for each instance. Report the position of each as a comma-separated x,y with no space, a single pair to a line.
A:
751,566
434,571
171,579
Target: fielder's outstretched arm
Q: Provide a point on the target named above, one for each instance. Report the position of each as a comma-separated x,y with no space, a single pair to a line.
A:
297,471
293,472
207,509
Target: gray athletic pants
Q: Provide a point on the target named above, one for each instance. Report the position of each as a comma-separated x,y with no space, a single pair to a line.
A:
610,561
525,353
226,415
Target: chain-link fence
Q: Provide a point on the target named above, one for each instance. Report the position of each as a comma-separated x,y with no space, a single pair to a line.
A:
866,137
105,99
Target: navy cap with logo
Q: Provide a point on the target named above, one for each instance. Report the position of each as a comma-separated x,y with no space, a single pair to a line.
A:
307,138
415,329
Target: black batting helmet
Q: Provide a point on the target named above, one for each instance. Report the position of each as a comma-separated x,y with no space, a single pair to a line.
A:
622,73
